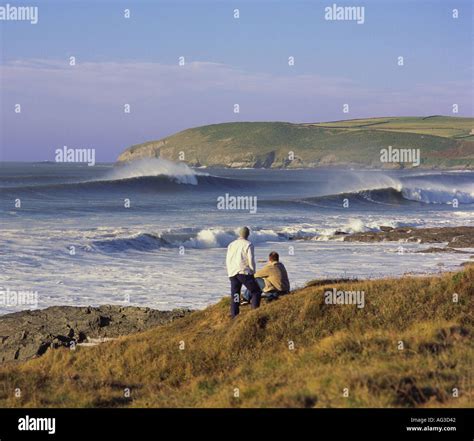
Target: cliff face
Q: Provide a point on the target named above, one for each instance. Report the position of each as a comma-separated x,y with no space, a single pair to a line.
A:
442,142
147,150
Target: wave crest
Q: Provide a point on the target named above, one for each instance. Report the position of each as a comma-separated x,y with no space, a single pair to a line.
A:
437,195
177,171
221,237
400,194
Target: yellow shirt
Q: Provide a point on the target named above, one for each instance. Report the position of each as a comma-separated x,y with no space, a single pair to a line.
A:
275,276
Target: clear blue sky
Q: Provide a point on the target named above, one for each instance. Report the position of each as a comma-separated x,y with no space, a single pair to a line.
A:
228,61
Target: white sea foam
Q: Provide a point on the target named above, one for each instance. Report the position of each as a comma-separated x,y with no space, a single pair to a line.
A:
178,171
440,194
133,253
432,190
217,237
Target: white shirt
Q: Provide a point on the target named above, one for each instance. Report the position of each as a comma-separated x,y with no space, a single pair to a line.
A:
240,257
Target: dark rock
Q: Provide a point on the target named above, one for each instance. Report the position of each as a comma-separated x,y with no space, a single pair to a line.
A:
28,334
442,250
262,321
410,394
432,347
455,237
103,321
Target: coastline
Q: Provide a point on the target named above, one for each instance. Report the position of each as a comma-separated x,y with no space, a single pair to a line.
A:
268,144
453,237
28,334
298,351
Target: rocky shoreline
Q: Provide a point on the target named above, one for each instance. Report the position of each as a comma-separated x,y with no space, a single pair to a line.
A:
453,237
28,334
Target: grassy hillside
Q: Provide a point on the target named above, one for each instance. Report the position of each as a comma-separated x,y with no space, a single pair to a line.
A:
336,347
443,141
446,127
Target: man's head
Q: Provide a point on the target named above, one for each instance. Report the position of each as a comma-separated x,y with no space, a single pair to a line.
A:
273,257
244,232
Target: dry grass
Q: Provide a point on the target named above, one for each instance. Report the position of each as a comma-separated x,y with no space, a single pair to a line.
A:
335,347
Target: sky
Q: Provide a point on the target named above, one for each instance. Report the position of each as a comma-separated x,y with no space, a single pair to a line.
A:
227,61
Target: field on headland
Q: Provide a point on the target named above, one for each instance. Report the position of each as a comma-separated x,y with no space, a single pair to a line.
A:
444,142
409,346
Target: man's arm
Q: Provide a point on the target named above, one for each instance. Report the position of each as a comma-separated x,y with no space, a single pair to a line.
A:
251,258
262,272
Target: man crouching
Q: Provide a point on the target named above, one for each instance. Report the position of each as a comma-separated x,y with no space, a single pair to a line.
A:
275,276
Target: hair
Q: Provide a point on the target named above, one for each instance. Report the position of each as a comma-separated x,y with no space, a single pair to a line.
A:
274,257
244,232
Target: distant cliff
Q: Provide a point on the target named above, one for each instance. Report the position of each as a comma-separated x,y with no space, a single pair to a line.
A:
444,142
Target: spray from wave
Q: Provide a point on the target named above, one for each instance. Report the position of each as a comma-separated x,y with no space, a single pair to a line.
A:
177,171
425,188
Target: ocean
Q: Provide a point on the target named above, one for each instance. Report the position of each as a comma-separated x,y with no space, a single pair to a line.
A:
154,234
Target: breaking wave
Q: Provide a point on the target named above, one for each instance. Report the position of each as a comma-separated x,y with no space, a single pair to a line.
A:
221,237
398,195
175,171
160,175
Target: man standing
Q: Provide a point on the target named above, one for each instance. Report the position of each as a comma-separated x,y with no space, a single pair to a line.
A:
240,263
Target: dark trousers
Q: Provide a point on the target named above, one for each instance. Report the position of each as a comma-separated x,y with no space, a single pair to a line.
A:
236,283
